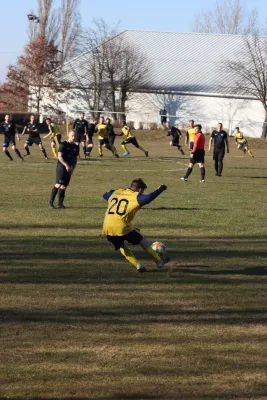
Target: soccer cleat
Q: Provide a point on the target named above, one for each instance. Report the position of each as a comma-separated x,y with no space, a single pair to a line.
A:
61,206
203,180
46,158
126,153
141,268
116,155
183,179
11,159
27,154
164,260
146,153
21,159
100,155
51,205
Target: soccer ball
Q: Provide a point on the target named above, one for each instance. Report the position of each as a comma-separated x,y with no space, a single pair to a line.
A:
159,248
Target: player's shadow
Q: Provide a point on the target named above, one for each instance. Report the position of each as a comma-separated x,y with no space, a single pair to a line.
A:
255,271
173,208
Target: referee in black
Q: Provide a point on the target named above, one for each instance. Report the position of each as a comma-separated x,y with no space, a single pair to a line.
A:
220,139
68,152
111,133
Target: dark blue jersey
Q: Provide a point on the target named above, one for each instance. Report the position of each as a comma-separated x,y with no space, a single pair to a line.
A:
70,152
8,128
32,127
80,126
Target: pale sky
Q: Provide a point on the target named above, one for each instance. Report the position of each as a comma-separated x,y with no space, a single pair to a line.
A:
171,16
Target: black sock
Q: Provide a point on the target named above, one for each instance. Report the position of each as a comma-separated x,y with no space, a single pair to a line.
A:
202,173
181,150
44,152
220,168
216,166
27,150
89,149
18,153
8,154
53,194
188,172
84,150
61,195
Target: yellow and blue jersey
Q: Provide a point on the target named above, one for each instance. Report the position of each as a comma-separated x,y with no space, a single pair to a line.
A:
240,138
123,204
190,134
126,131
53,129
102,131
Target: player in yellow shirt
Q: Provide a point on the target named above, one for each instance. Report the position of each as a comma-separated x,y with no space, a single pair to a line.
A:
129,139
55,136
103,138
123,204
242,143
190,135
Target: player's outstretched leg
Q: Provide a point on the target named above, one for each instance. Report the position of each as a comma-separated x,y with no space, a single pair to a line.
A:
100,151
202,172
250,153
61,196
136,144
160,262
54,151
18,153
113,149
128,254
188,172
89,149
53,195
179,147
7,153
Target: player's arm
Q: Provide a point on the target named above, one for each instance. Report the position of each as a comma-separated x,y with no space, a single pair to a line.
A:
107,195
74,124
24,129
61,159
186,138
210,141
49,134
144,199
179,132
227,144
119,134
17,133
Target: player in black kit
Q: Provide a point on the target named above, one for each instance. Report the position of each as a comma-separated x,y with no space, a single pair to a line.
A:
10,131
80,125
220,139
176,134
111,133
90,134
68,152
32,128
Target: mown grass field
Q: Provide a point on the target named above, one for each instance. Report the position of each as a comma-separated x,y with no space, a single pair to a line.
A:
78,322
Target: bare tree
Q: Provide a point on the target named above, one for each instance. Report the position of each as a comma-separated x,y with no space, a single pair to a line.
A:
227,17
49,20
70,27
250,71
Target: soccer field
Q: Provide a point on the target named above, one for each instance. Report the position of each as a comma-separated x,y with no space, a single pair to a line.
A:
77,321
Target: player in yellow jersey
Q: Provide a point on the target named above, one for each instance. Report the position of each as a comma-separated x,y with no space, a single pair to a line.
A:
129,139
123,204
55,136
103,138
190,135
242,143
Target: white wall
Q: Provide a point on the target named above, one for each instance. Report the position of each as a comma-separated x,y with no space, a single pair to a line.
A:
144,108
208,111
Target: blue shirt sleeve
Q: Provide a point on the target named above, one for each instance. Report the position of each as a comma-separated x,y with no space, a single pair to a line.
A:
107,195
144,199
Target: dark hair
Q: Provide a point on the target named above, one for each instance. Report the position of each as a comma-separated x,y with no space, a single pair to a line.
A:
198,126
108,119
138,184
82,112
219,123
237,127
191,120
48,119
123,122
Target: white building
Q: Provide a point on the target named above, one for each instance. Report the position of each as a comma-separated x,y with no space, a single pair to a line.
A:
187,74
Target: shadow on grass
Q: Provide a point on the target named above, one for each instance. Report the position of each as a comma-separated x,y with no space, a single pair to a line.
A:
259,271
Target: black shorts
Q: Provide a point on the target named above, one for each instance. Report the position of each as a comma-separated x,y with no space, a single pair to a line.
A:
62,175
175,141
218,155
198,157
9,140
90,139
80,138
33,140
131,140
134,237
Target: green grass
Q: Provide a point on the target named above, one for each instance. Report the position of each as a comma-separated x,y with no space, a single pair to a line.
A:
77,321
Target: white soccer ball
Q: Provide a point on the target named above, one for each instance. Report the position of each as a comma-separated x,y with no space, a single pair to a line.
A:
159,248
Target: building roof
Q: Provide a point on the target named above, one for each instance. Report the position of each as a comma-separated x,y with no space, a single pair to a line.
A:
192,63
